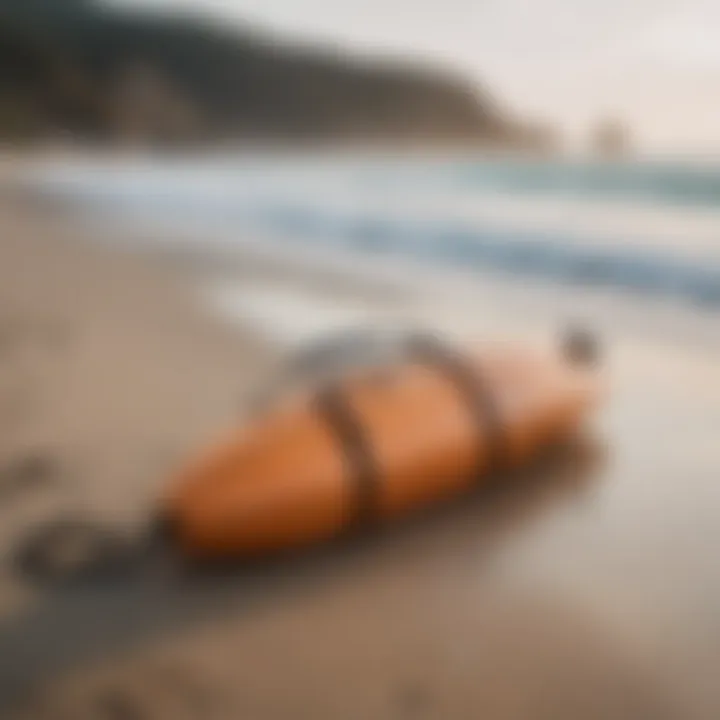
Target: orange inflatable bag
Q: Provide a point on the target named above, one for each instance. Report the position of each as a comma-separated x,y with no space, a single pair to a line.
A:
375,444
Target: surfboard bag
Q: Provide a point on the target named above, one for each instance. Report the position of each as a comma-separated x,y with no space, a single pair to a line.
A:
375,445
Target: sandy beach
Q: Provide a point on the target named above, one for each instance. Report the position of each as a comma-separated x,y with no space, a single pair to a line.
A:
99,352
589,591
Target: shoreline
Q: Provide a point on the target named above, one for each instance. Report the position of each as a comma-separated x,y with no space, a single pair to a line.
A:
634,253
411,290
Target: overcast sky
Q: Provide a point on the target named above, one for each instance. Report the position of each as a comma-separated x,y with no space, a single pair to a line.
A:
655,63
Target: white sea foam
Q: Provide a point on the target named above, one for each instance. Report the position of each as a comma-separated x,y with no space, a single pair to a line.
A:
216,191
610,231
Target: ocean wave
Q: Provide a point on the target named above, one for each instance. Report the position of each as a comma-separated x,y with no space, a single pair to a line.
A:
551,257
439,212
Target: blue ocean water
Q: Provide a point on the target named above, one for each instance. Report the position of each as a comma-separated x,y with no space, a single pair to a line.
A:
410,207
664,183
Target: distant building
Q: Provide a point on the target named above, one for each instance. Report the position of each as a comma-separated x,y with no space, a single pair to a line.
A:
611,140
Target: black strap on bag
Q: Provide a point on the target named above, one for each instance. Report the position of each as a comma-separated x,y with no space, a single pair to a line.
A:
335,408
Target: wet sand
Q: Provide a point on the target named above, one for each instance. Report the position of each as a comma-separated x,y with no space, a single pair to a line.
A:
588,589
